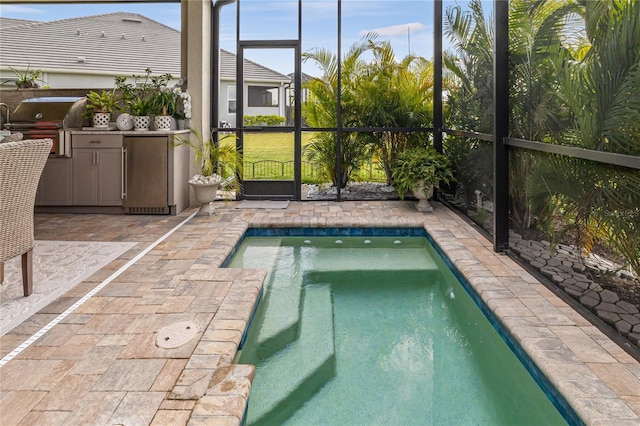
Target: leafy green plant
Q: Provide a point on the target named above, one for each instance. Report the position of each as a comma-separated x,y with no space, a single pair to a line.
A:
216,159
392,93
27,79
127,93
140,94
162,98
418,165
140,105
258,120
320,111
105,102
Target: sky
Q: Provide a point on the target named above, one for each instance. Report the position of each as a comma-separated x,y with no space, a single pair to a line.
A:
408,24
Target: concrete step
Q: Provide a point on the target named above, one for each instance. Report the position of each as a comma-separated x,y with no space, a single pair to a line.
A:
284,382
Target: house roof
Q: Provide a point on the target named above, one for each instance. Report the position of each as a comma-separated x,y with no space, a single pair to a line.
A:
10,22
305,77
253,70
116,43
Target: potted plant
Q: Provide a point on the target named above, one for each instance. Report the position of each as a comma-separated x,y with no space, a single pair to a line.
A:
128,93
183,107
218,163
140,108
100,106
139,96
27,79
420,170
162,102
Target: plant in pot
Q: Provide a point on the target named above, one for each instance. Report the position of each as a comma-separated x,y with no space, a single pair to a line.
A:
27,79
218,162
420,170
140,97
140,108
163,102
100,106
127,95
183,107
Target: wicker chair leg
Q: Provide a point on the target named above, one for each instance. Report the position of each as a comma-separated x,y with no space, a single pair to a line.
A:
27,273
1,272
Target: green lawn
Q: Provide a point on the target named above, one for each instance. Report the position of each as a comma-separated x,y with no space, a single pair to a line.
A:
270,156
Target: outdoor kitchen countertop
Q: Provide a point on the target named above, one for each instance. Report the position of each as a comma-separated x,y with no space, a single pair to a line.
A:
114,131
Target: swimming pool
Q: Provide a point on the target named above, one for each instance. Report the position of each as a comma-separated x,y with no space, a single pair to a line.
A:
376,330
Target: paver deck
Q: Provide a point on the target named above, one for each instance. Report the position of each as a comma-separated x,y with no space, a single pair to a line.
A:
100,364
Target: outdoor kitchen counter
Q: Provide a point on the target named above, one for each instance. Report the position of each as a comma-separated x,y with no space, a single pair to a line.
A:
87,131
113,171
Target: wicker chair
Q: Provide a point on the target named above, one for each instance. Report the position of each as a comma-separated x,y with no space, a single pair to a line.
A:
21,164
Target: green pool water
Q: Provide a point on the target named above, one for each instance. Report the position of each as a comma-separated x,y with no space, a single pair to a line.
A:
376,331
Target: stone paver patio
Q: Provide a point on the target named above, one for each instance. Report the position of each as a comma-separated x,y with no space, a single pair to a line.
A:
100,364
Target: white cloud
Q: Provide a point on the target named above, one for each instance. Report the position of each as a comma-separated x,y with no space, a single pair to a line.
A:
397,30
8,9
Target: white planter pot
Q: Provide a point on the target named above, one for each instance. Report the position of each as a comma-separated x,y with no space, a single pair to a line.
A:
141,122
423,194
162,122
205,195
101,119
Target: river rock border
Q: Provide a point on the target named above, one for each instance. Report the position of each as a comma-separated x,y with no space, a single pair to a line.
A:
566,268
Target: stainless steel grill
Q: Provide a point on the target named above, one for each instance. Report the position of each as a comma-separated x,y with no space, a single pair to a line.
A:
50,117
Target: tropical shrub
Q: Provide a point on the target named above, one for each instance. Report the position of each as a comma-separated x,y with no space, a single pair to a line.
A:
381,94
574,80
420,166
320,110
261,120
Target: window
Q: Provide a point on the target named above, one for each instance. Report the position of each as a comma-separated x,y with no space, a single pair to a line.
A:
231,90
263,96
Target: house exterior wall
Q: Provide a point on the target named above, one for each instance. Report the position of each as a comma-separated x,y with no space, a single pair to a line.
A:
231,119
69,81
65,80
223,98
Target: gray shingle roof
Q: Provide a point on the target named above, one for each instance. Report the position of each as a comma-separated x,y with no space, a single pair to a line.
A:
252,70
116,43
12,22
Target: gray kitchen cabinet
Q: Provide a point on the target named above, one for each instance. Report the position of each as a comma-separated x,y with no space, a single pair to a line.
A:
97,170
55,188
156,175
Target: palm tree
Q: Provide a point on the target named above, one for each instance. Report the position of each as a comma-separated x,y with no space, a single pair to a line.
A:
321,109
470,96
599,74
393,93
471,38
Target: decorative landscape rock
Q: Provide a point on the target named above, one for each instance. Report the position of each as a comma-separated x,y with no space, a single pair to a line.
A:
565,267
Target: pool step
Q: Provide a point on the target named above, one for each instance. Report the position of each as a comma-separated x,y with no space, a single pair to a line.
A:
295,374
281,322
373,259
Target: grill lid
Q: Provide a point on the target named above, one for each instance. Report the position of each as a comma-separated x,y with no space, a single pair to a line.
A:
58,109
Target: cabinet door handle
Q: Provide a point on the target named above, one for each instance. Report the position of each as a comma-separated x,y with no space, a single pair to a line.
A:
93,159
123,180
